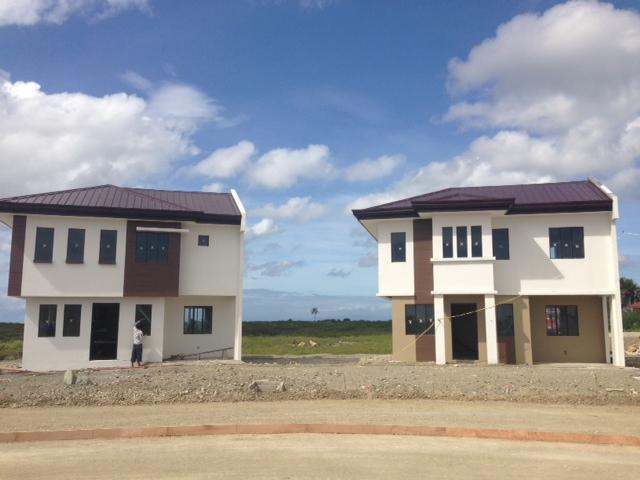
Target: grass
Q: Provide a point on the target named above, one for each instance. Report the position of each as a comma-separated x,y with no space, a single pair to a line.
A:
631,321
339,337
11,341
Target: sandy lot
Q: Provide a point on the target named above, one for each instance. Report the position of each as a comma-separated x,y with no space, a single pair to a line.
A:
214,382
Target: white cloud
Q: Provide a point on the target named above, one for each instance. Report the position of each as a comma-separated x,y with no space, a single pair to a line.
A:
275,268
371,169
283,167
316,4
215,187
559,93
226,162
264,227
339,273
369,260
58,140
300,209
31,12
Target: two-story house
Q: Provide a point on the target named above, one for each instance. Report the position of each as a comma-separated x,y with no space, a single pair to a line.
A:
92,261
502,274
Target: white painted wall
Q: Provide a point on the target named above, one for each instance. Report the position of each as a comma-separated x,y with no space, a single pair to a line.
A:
60,353
395,279
59,279
223,331
530,269
211,270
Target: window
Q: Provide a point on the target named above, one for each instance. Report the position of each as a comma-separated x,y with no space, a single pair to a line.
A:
75,245
152,247
447,242
47,321
398,247
500,243
461,239
71,321
562,320
44,245
418,318
476,241
203,240
143,315
108,241
197,319
566,242
504,318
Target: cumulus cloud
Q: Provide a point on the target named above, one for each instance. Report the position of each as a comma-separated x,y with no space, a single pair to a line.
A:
226,162
32,12
58,140
339,273
371,169
215,187
560,93
283,167
264,227
300,209
275,268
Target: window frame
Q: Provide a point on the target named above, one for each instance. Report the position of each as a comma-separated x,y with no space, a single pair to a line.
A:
108,257
146,318
559,318
75,255
44,254
189,324
152,247
505,314
412,313
462,245
476,241
447,236
503,254
69,330
573,240
51,329
398,247
203,240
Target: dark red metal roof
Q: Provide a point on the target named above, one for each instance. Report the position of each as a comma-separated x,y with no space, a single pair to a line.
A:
110,200
531,198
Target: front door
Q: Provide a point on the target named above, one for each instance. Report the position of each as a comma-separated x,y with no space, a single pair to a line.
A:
464,330
105,318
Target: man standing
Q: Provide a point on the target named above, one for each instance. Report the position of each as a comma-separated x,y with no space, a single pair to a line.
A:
136,352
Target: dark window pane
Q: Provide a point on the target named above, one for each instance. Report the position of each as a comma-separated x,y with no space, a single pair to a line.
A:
398,247
504,318
418,319
71,321
476,241
203,240
75,245
566,242
152,247
461,241
47,321
197,320
44,245
143,315
501,243
108,241
577,242
562,320
447,242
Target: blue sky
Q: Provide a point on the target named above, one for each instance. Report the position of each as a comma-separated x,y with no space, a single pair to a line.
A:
311,107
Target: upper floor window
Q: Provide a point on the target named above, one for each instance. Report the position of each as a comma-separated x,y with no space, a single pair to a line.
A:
197,320
500,238
152,247
47,320
566,242
504,320
203,240
418,319
108,241
461,242
562,320
75,245
143,316
71,321
476,241
44,245
447,242
398,247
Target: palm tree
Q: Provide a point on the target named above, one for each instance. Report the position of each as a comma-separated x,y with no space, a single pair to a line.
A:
314,312
629,290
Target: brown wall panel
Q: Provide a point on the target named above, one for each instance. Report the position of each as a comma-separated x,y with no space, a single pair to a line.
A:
422,254
17,255
150,278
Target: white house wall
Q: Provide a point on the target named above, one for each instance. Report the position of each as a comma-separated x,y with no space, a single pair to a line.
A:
395,279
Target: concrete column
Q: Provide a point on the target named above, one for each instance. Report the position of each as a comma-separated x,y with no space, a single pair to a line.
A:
617,337
491,331
605,321
438,310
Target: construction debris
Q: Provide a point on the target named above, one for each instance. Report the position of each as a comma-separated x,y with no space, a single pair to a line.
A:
267,386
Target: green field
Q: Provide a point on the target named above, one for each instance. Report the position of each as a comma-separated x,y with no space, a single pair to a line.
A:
340,337
10,341
631,321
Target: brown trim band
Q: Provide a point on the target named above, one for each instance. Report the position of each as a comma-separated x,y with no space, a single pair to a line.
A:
296,428
14,289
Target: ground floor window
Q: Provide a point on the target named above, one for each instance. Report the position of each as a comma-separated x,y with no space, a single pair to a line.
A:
197,320
47,321
562,320
418,319
504,318
71,321
143,316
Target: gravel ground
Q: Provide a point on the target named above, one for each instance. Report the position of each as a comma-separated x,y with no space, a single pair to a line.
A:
371,378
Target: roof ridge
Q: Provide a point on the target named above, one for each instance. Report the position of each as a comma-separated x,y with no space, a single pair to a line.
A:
161,200
179,191
58,192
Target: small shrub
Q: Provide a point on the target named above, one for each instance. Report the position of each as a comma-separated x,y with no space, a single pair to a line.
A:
11,350
631,321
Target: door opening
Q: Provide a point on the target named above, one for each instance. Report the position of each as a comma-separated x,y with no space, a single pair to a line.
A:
464,331
105,318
